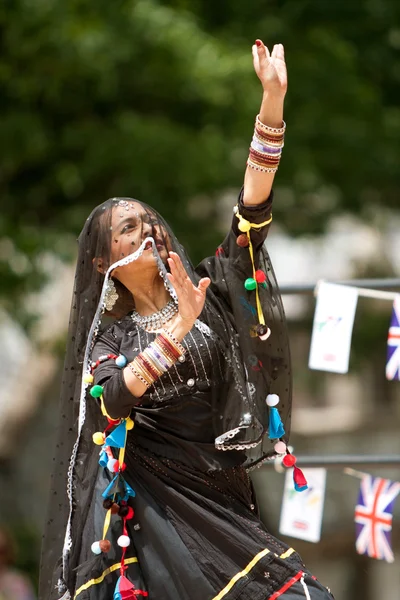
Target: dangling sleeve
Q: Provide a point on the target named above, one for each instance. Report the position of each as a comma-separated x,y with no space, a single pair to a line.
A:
243,280
231,251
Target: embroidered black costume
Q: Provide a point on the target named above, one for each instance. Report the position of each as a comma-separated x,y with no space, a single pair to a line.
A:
194,529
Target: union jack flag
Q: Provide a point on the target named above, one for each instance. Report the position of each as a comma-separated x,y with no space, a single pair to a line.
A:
373,517
393,345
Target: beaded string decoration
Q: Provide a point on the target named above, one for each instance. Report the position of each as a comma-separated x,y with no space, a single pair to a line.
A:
259,277
148,366
117,494
276,431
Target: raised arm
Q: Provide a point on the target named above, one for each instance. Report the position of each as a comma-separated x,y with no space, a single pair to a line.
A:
264,155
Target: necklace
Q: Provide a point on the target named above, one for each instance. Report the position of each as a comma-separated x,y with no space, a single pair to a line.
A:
157,319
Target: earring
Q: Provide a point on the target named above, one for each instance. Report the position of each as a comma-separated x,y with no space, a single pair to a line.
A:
111,295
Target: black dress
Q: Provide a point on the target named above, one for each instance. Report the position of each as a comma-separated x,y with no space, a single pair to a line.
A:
196,532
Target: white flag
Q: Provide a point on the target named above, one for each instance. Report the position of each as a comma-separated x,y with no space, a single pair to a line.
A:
333,326
301,515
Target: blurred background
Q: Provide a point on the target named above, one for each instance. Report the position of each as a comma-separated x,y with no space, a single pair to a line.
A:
156,100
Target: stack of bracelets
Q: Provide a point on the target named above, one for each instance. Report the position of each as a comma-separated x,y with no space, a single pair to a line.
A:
266,147
157,358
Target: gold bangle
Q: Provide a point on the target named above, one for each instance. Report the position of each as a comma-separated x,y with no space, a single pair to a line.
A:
139,373
175,342
268,129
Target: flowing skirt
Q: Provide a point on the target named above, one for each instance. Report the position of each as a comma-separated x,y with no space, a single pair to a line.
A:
195,535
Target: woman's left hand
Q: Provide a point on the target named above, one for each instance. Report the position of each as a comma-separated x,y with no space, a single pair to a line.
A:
191,299
270,68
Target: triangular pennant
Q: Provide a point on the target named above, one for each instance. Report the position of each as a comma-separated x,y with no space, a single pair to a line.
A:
276,429
124,590
117,438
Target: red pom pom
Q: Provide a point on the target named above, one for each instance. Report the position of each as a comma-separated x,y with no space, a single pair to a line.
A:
123,467
115,509
242,240
130,514
116,467
260,276
105,545
289,460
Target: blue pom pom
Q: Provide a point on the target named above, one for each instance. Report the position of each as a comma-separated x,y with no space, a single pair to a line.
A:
121,361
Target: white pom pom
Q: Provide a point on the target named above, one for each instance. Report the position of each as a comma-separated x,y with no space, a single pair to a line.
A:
96,548
272,399
123,541
111,464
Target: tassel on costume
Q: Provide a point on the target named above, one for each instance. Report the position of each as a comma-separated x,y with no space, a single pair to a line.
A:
125,590
300,482
276,429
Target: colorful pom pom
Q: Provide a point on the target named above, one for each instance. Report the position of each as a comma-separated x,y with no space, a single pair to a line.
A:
115,508
130,514
98,438
244,225
263,331
129,424
242,240
121,361
88,378
250,284
272,399
123,541
96,391
289,460
280,447
111,464
260,276
105,545
95,547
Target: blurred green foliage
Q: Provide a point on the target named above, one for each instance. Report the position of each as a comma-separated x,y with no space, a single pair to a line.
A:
156,100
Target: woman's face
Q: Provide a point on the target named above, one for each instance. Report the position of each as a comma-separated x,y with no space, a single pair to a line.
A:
131,223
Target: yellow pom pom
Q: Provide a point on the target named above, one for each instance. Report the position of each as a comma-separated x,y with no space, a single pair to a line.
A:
244,225
88,378
129,424
98,438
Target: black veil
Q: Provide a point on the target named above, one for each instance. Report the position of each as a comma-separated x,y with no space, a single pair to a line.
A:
253,368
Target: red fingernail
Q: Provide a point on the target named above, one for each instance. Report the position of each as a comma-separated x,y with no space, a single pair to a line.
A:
258,43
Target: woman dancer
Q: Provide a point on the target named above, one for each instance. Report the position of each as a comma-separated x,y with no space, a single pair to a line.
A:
177,383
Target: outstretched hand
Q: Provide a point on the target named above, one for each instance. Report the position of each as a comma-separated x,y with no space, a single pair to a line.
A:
191,299
270,67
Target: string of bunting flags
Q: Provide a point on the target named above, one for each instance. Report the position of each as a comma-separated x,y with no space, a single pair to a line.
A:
333,326
302,514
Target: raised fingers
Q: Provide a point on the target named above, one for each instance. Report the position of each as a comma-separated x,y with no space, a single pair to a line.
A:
278,52
177,268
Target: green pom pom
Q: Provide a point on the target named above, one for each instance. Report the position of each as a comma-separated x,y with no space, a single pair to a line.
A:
250,284
96,391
